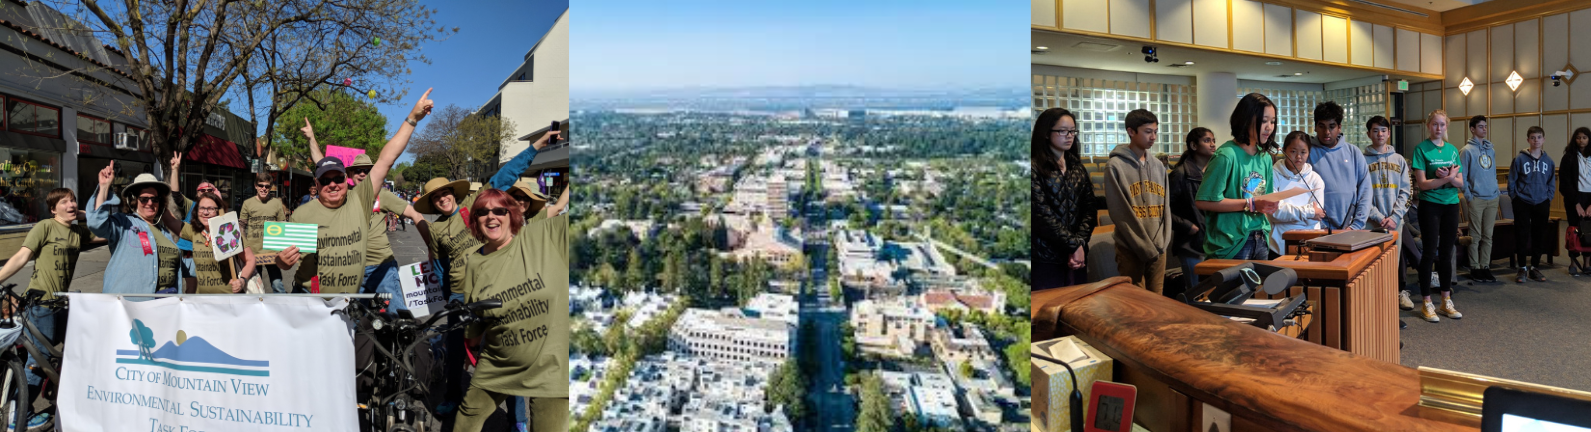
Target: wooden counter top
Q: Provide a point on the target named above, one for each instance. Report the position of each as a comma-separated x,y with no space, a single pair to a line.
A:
1270,382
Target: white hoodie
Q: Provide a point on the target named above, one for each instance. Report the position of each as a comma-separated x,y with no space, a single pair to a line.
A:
1295,213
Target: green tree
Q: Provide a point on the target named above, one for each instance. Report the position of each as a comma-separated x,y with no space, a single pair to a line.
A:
787,387
340,119
634,272
966,369
875,415
589,342
467,143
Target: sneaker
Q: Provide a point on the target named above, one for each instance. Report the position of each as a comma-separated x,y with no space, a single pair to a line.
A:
1448,311
1402,324
1477,275
38,420
1535,274
1404,302
1522,271
1574,270
1489,276
1429,313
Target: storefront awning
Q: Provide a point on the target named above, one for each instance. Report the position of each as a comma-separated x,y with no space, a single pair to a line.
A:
215,151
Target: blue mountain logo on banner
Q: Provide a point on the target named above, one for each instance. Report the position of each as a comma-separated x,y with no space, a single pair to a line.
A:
193,354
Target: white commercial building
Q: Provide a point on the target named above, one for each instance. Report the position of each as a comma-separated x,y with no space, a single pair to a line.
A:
730,335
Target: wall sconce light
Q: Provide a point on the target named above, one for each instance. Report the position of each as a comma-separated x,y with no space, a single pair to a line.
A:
1514,80
1465,86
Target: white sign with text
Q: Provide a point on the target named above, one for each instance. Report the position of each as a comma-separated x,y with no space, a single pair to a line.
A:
207,363
422,288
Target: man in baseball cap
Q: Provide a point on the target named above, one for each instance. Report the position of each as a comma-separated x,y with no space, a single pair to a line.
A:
381,267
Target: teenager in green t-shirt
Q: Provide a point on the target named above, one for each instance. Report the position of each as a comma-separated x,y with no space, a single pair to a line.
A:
1438,176
53,245
1236,226
212,276
524,345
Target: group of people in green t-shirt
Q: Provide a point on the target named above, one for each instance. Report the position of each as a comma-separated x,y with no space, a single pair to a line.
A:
1213,204
505,242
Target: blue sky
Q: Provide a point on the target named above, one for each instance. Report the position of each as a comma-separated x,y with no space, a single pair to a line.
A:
634,44
466,68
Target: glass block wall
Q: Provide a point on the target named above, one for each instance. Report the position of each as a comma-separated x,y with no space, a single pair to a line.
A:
1102,106
1360,104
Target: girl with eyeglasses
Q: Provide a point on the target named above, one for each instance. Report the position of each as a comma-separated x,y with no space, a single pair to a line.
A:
211,276
1063,202
524,345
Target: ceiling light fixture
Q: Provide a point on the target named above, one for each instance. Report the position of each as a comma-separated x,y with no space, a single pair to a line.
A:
1465,86
1044,47
1514,80
1273,63
1188,63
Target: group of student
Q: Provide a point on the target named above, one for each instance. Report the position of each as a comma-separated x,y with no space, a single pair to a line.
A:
1212,203
504,242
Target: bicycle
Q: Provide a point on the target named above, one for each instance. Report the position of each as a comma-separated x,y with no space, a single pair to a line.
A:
14,397
392,389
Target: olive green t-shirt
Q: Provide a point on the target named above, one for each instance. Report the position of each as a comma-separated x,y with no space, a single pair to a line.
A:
254,215
380,247
169,258
526,341
342,238
451,240
212,277
55,248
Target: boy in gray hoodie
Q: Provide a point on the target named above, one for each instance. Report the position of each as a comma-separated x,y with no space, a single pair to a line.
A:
1530,183
1391,190
1341,167
1135,194
1480,197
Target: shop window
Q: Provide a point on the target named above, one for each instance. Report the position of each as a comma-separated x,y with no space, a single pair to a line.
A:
31,118
93,130
26,177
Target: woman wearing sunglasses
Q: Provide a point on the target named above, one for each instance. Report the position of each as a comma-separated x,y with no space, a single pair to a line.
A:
524,345
143,238
448,238
211,276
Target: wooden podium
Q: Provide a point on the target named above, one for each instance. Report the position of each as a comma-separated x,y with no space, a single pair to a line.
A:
1182,358
1355,295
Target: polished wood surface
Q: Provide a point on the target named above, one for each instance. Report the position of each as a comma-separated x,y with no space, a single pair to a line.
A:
1266,381
1355,296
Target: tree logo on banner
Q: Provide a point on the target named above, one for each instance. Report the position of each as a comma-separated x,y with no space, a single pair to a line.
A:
186,353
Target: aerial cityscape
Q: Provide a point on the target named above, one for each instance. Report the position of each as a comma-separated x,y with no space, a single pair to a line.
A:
821,268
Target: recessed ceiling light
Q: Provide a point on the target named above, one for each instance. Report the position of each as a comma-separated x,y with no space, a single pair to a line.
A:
1188,63
1043,47
1297,73
1273,63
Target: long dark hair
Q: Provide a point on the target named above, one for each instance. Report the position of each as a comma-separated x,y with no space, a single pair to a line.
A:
1250,112
1191,141
1572,148
1043,160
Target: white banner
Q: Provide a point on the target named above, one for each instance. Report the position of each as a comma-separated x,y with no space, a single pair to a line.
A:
422,288
209,363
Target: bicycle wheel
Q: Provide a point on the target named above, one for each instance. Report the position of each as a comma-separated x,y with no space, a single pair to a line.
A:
14,398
